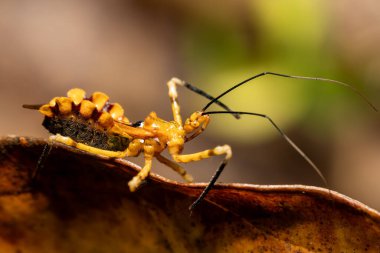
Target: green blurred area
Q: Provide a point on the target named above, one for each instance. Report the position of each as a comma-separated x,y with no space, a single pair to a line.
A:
275,36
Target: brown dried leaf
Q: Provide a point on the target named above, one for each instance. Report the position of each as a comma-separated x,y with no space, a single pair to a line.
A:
81,203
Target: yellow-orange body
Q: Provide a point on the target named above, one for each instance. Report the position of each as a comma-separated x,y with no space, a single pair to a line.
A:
97,126
95,117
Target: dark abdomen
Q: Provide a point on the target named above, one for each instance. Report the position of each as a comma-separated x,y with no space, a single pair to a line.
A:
81,132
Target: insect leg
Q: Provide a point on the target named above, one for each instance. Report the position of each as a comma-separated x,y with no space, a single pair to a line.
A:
203,94
219,150
287,139
149,150
70,142
172,84
173,100
176,167
41,162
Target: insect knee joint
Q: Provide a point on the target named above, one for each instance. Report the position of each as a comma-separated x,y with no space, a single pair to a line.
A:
225,149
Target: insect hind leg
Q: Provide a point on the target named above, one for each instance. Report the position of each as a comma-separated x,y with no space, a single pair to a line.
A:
40,164
70,142
176,167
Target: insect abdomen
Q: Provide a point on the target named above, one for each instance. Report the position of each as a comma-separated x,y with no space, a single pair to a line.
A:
89,121
82,132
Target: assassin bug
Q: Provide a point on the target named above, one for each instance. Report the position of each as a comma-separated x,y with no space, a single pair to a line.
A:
97,126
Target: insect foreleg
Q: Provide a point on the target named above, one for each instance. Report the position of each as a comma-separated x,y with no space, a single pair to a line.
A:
173,100
290,142
219,150
203,94
172,84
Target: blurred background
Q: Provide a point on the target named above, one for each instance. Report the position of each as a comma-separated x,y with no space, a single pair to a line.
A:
130,49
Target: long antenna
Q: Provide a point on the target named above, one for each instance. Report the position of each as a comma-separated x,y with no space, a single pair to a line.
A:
295,77
291,143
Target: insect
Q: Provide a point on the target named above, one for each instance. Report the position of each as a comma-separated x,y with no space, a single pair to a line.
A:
95,125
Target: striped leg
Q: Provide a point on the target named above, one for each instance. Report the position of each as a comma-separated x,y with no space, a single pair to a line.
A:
219,150
172,84
70,142
176,167
136,181
134,149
